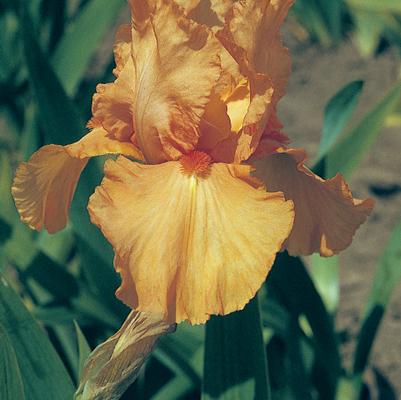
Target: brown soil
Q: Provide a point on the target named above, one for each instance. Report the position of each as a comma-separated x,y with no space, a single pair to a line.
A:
317,76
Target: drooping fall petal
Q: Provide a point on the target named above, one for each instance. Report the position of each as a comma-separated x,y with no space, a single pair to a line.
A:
189,246
326,214
177,65
252,36
44,186
116,363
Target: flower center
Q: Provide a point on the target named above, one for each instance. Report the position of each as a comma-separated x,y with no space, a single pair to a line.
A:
196,163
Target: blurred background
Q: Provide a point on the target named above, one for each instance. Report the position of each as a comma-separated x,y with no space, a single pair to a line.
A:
345,88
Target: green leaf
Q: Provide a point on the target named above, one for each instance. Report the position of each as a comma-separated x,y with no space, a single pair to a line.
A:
368,31
183,352
376,6
235,360
299,374
88,305
325,275
82,38
310,16
10,49
21,238
65,336
50,316
30,137
388,275
337,114
52,277
43,374
101,278
175,389
7,208
274,316
61,121
349,151
11,386
5,231
293,286
332,12
384,386
57,246
83,348
62,124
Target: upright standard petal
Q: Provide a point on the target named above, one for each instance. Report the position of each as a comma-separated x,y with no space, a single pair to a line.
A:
197,243
177,65
122,47
326,214
112,105
44,186
252,36
208,12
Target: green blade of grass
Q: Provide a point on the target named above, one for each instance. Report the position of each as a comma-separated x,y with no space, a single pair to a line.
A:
332,12
43,374
376,6
368,30
52,276
62,124
298,371
337,114
310,16
175,389
349,151
182,352
81,39
388,275
61,121
11,386
325,275
293,286
7,209
83,348
274,316
230,340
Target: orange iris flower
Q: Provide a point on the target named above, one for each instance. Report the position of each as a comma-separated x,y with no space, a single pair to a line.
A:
195,96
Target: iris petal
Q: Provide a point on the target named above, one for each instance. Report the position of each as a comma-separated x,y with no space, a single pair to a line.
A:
188,247
44,186
326,214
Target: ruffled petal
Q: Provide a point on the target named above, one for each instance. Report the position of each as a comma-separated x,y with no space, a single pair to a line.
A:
326,214
112,104
270,142
44,186
215,125
193,246
99,142
122,48
252,36
208,12
177,65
